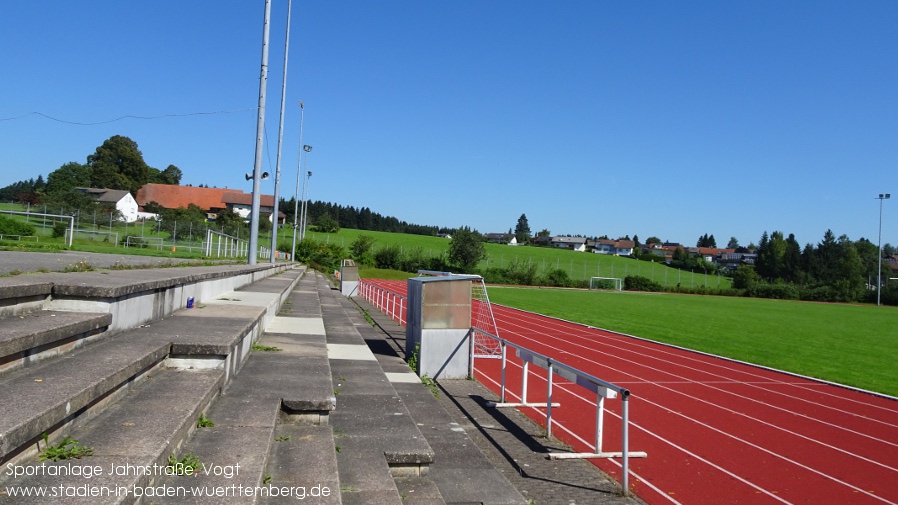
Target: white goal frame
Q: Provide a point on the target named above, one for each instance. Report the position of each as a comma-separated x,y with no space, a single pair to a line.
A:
618,282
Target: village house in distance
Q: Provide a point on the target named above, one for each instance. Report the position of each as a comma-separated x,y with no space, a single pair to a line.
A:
211,200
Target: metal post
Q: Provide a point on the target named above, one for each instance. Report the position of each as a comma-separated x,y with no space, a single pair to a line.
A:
504,364
881,197
549,403
277,171
260,133
625,457
296,191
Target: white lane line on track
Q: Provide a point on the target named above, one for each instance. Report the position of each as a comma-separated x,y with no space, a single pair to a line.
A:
708,385
717,362
760,421
724,433
648,432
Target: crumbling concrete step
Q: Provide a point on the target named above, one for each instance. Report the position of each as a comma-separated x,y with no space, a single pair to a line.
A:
28,338
23,294
303,460
39,399
131,442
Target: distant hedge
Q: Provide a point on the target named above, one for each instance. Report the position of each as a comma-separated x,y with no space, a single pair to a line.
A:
12,227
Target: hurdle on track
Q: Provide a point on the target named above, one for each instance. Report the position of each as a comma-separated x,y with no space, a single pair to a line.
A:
601,388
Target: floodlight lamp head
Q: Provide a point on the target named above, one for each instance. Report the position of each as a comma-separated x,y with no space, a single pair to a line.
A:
249,176
264,175
310,173
307,148
888,196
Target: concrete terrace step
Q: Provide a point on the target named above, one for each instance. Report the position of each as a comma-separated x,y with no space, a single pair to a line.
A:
134,438
460,472
60,394
52,394
286,389
378,440
30,337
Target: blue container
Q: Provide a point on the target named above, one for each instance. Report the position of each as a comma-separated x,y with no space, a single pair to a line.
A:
190,303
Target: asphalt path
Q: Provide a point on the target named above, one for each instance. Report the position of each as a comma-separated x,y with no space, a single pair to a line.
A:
26,262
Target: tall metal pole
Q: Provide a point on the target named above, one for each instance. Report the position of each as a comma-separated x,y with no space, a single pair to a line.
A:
305,205
881,197
260,132
277,172
296,192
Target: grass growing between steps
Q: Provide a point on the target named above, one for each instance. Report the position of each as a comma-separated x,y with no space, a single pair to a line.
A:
68,448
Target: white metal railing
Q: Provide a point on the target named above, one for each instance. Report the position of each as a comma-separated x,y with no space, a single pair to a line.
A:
389,302
602,389
19,237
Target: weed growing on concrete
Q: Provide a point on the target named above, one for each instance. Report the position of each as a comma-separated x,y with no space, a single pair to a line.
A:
66,449
266,479
337,448
229,299
431,384
13,273
413,360
283,438
266,348
81,266
186,465
204,422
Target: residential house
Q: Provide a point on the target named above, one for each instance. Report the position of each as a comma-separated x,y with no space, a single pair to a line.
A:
573,243
501,238
615,247
121,198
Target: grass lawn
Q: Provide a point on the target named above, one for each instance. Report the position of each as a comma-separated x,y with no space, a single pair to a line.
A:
578,265
855,345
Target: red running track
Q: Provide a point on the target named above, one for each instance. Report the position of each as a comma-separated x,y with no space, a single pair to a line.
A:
715,431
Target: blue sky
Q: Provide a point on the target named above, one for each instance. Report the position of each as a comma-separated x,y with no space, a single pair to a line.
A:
672,119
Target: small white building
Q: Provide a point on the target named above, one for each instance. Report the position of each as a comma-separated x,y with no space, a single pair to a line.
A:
121,198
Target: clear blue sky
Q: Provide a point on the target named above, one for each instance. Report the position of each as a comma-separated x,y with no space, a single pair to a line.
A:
672,119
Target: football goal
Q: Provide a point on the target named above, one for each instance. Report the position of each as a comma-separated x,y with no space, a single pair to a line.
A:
615,283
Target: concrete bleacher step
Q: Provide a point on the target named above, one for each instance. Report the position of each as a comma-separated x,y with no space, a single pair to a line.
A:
28,338
131,440
303,458
272,419
60,394
379,443
52,395
460,472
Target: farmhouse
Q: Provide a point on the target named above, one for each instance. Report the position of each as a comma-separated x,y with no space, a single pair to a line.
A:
501,238
121,198
615,247
572,243
211,200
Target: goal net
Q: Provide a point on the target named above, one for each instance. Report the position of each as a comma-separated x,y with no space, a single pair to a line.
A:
615,283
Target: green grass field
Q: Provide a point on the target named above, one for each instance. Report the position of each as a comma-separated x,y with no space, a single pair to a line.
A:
856,345
578,265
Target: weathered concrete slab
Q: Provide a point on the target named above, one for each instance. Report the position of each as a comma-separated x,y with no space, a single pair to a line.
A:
355,352
35,331
136,433
296,325
304,457
37,398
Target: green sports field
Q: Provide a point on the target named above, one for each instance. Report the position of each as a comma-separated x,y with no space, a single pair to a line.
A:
856,345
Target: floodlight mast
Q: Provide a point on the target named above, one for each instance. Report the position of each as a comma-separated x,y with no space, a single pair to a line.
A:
296,191
277,174
260,131
881,197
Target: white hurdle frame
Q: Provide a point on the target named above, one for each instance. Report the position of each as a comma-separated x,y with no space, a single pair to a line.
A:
603,389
